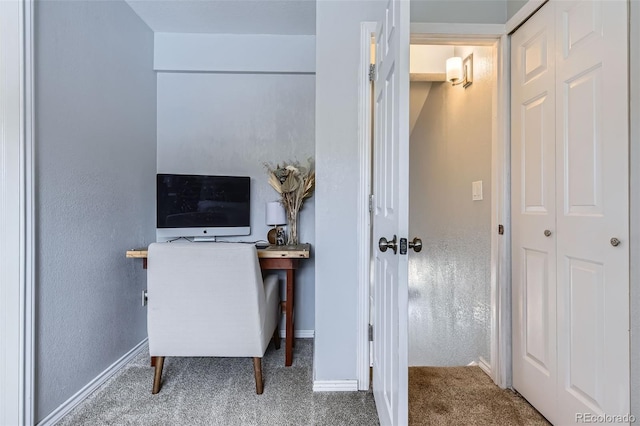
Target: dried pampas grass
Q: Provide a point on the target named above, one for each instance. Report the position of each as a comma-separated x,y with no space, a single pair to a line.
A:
294,183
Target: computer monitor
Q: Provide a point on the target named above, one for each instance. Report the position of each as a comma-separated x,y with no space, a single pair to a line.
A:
202,207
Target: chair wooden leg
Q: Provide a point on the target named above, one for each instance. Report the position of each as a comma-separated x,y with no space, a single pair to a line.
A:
276,338
157,377
257,369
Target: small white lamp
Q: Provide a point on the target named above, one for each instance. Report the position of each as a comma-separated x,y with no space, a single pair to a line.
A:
274,216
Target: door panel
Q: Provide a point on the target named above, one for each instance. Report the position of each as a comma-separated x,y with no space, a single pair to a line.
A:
592,163
536,315
535,198
533,210
580,22
535,57
583,144
391,213
385,359
586,371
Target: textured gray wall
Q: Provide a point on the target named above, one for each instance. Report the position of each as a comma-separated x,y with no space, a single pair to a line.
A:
231,124
95,177
449,281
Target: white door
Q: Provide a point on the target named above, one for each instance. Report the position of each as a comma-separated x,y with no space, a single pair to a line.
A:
571,287
391,214
533,211
592,207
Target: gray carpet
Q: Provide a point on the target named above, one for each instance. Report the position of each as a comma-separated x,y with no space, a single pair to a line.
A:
465,396
221,391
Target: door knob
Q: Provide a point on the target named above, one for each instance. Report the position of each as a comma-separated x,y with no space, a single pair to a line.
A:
547,233
416,245
383,244
615,242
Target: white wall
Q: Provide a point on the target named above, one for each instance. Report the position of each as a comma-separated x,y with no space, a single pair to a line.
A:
465,11
459,11
429,59
418,94
95,180
11,214
449,281
235,53
231,124
513,6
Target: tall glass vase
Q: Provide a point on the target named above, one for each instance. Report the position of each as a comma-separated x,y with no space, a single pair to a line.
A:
292,219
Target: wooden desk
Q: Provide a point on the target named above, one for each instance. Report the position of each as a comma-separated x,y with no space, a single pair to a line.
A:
284,258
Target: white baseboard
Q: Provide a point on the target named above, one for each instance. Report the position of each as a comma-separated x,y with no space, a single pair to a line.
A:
299,334
335,385
484,365
83,393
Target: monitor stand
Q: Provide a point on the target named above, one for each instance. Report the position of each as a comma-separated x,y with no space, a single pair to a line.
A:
204,239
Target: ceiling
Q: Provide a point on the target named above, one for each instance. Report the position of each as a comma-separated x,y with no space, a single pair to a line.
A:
287,17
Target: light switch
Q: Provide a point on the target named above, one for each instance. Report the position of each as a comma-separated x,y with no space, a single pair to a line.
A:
476,190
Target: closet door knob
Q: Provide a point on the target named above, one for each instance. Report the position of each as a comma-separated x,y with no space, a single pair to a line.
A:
615,242
547,233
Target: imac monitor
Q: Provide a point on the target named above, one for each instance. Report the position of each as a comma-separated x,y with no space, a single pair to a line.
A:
202,207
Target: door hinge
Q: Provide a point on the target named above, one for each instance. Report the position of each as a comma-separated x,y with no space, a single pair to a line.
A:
372,72
500,230
370,203
370,333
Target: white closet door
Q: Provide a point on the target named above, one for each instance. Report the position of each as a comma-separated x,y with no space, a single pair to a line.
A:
592,208
571,284
533,211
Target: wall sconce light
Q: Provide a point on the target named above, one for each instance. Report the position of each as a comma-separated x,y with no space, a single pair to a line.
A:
460,71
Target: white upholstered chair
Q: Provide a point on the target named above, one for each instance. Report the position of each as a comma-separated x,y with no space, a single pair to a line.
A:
209,300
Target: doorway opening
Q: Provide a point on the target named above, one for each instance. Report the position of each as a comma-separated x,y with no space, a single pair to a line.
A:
458,297
450,199
496,359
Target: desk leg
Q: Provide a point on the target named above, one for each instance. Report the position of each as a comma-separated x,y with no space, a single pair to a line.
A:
288,354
